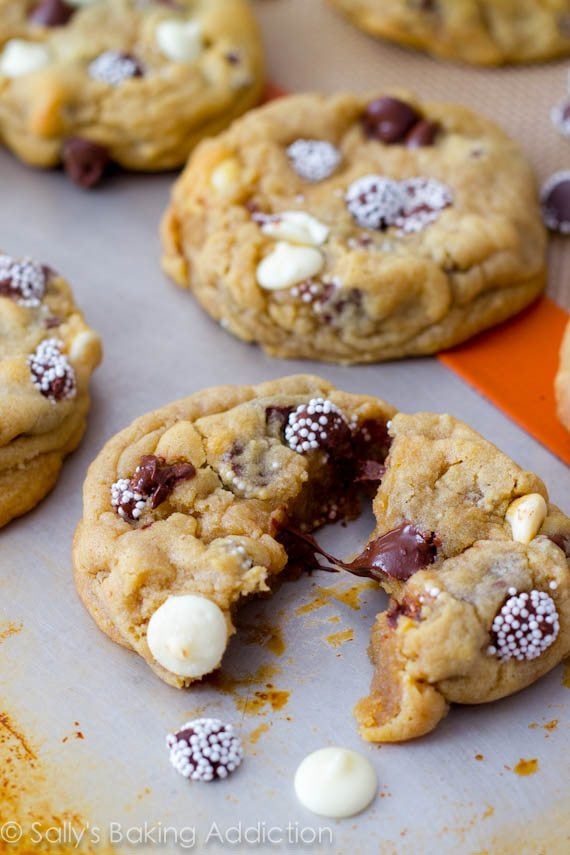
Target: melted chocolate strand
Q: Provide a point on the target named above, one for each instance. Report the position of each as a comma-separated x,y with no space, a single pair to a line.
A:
157,479
397,554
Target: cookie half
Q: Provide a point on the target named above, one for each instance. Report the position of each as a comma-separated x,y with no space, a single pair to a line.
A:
357,229
203,503
481,32
562,385
123,81
47,356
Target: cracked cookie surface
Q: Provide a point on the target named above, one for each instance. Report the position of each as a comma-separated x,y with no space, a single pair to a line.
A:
136,83
356,229
47,356
482,32
197,506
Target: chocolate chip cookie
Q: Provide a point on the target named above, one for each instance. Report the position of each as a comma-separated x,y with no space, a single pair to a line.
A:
47,356
203,503
563,380
356,229
482,32
135,83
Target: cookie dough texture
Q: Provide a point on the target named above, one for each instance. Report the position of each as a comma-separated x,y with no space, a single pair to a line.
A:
217,536
386,294
562,386
482,32
36,432
146,122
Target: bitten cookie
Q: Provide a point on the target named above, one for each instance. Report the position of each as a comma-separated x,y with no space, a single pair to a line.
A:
201,504
183,509
47,356
351,229
136,83
482,32
562,385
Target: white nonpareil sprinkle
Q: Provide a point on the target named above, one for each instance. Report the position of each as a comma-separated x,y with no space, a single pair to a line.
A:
51,371
205,749
375,201
113,67
314,160
25,280
308,426
424,200
525,627
128,503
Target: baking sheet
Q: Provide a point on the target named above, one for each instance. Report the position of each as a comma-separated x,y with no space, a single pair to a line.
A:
83,722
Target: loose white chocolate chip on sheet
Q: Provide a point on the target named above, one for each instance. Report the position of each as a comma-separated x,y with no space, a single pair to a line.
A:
180,41
335,782
296,227
20,57
188,635
525,516
288,265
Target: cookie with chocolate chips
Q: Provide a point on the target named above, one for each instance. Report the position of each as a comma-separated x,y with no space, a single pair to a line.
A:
481,32
357,229
197,506
185,510
562,385
47,356
137,84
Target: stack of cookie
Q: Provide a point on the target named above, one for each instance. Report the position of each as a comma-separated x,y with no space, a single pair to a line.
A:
47,356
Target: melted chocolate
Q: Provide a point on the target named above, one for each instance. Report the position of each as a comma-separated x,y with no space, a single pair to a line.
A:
398,554
156,479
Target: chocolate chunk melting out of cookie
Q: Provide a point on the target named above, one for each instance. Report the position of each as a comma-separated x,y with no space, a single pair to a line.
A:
555,202
85,161
397,554
52,13
422,134
152,483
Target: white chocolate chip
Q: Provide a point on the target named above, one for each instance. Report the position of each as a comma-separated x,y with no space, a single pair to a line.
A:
525,516
20,57
335,782
188,635
296,227
180,41
83,344
288,265
226,175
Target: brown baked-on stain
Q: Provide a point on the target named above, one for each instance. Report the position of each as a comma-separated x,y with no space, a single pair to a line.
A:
258,732
526,767
348,596
257,703
339,638
549,727
29,792
228,683
9,629
263,635
479,757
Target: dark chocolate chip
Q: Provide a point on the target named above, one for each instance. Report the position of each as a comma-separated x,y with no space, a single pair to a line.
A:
156,479
52,13
389,119
84,161
555,202
407,608
422,134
